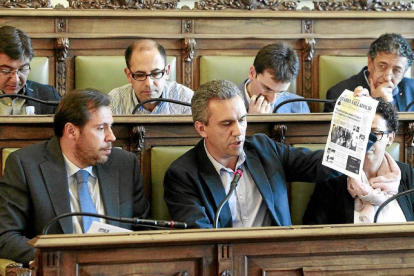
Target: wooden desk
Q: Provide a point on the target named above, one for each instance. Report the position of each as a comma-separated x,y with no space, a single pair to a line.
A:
323,250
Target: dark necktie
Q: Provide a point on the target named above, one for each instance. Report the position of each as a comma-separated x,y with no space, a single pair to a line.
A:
85,199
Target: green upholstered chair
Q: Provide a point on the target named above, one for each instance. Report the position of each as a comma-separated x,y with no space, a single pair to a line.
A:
39,70
300,192
5,153
161,159
232,68
334,69
105,73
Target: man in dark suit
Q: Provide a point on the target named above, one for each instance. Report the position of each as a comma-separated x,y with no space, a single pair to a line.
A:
41,181
16,52
197,182
389,58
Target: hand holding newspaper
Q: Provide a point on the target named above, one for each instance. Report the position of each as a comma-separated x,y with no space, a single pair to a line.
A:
348,136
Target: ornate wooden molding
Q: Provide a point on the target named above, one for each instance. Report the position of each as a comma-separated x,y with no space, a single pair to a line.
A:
225,259
307,26
60,25
308,49
124,4
137,135
279,133
62,46
275,5
16,269
409,138
187,26
36,4
188,49
362,5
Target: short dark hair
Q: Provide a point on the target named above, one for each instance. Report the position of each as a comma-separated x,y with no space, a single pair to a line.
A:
394,44
144,45
15,43
215,89
280,59
387,111
75,108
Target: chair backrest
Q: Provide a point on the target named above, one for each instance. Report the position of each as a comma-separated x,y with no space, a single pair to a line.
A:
39,70
300,192
334,69
232,68
161,159
105,73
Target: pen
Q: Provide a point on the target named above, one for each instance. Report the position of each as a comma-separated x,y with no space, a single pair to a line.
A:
258,97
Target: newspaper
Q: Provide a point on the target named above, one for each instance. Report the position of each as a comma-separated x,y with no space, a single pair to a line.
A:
348,136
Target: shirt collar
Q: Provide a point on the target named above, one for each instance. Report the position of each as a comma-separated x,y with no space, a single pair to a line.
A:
219,167
71,168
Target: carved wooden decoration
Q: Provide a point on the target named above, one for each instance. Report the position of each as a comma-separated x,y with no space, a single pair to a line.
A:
25,4
62,46
276,5
124,4
60,24
188,48
187,26
16,269
308,49
409,137
225,260
279,133
307,26
362,5
137,135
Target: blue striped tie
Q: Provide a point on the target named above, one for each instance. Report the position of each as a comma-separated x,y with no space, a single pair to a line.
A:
85,200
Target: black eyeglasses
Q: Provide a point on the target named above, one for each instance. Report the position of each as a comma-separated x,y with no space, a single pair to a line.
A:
21,71
143,76
379,134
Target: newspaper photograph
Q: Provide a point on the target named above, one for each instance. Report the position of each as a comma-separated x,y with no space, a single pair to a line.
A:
348,136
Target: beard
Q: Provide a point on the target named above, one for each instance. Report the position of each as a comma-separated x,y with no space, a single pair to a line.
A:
88,157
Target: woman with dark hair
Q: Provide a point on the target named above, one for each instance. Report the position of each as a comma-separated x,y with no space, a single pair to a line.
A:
347,200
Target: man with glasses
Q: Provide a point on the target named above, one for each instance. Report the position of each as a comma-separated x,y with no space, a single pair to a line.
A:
389,58
147,72
16,52
274,68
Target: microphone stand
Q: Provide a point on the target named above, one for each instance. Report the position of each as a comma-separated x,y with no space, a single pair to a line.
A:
158,100
157,224
233,186
408,106
302,100
29,98
408,192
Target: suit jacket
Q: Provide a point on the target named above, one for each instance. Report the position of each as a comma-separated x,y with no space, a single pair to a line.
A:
295,107
193,189
34,190
403,94
42,92
331,202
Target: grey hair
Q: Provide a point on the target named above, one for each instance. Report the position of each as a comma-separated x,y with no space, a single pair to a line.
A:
212,90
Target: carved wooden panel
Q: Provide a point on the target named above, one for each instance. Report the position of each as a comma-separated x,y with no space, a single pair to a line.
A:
25,4
247,5
188,49
308,49
62,46
279,133
137,141
124,4
364,5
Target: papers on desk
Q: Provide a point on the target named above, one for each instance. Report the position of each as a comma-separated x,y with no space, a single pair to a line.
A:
99,227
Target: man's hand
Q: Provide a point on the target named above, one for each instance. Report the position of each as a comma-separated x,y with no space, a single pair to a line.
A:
258,105
384,90
361,92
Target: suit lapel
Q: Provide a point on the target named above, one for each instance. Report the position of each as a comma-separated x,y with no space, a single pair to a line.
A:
214,184
262,183
55,177
32,92
109,189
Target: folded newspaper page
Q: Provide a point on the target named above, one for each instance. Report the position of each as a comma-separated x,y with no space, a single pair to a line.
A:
348,137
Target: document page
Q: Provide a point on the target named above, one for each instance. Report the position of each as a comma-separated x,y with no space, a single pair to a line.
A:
348,136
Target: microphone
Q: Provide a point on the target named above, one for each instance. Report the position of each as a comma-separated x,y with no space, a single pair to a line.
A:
408,192
29,98
158,100
158,224
233,185
301,100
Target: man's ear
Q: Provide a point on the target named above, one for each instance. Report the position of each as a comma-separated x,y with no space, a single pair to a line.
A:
167,71
252,72
128,75
71,131
201,128
391,138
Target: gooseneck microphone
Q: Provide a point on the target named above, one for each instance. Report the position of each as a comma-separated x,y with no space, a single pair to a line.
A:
29,98
158,224
158,100
233,185
301,100
408,192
